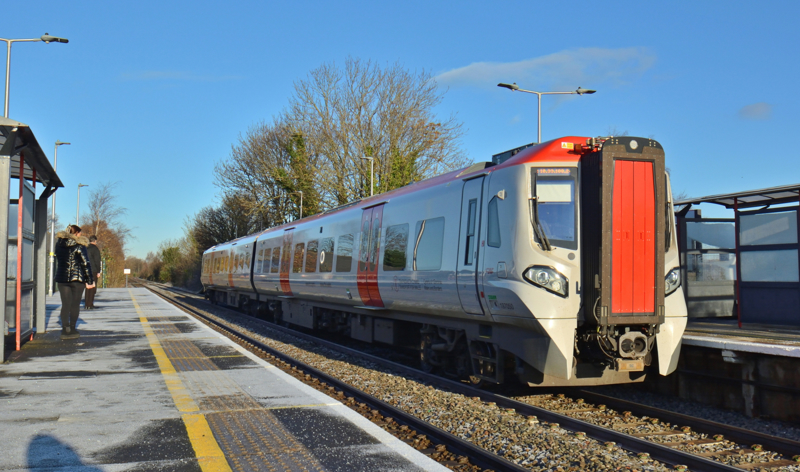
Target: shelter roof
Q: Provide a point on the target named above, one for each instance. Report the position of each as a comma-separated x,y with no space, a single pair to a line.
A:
16,138
751,198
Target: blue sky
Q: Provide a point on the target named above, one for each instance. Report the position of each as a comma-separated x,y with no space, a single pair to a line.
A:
153,94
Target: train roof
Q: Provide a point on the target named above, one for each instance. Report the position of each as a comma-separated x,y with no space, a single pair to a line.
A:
562,150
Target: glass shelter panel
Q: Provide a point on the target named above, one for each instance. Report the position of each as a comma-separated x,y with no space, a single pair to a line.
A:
770,266
768,228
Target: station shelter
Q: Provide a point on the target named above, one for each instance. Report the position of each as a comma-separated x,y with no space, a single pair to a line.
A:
23,165
746,267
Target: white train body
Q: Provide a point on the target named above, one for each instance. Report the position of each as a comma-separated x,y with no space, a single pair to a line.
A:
454,265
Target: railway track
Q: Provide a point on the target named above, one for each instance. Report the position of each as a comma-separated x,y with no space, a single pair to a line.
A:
648,434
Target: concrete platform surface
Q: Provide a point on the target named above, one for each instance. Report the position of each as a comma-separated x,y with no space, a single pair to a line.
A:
782,341
148,388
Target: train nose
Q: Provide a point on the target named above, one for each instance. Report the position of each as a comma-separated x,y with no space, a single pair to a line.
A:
632,345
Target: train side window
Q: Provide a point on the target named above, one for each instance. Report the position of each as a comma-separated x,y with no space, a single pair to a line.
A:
276,260
265,260
394,255
311,256
469,254
259,261
326,255
344,253
246,259
297,266
493,226
428,244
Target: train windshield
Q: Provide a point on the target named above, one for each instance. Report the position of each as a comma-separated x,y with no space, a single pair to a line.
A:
554,189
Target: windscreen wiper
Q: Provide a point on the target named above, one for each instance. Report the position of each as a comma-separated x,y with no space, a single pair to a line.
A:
533,208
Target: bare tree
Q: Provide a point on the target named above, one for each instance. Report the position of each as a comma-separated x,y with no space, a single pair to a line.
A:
104,220
266,171
365,110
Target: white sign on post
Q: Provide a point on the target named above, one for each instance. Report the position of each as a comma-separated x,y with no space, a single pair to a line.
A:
126,271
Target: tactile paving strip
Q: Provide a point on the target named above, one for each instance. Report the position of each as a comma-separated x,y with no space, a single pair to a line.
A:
251,437
256,441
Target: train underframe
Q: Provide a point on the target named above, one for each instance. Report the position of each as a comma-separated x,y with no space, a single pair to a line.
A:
458,349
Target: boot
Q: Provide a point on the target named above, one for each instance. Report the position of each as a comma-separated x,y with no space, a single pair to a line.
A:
75,332
68,333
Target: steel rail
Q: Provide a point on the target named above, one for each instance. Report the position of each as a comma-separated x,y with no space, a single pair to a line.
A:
783,446
656,451
477,455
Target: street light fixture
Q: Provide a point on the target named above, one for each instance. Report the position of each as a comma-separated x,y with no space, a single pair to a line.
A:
78,212
515,88
53,222
47,40
371,174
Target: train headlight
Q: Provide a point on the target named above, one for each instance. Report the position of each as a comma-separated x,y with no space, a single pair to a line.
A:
548,279
672,281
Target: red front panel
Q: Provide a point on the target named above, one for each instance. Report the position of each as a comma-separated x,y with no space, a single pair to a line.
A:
633,248
286,260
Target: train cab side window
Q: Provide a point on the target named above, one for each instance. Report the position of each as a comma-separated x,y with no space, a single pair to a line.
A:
326,255
276,260
428,244
311,256
344,253
394,255
297,266
266,258
493,224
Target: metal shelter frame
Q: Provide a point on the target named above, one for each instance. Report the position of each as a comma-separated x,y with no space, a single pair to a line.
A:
21,157
760,202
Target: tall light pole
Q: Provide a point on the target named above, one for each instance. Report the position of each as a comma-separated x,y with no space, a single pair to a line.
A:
45,37
371,174
515,88
301,202
78,212
53,223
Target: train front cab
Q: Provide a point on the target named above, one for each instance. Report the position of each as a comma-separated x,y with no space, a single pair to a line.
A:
590,283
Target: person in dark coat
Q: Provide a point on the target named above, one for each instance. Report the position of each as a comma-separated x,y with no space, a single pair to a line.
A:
94,260
73,273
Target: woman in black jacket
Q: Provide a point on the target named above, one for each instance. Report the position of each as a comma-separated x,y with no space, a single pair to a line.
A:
74,272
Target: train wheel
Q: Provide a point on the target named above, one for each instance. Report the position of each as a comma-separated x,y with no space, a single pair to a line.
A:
426,354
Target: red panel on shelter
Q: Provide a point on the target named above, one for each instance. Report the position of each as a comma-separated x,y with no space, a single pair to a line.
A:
633,246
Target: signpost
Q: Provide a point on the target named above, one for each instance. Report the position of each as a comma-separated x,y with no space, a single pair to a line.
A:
127,272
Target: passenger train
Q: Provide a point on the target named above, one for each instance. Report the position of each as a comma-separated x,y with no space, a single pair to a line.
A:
555,265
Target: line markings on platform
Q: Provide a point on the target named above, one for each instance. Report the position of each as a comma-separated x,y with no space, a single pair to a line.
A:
209,455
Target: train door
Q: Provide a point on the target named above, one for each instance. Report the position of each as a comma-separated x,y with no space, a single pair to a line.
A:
469,246
369,255
286,262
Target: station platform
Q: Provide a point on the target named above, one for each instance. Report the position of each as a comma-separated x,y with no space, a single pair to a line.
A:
148,388
725,334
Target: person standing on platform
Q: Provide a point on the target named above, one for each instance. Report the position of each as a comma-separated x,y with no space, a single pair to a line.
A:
74,272
94,260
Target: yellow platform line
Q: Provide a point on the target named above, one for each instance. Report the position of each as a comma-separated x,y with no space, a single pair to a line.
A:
208,453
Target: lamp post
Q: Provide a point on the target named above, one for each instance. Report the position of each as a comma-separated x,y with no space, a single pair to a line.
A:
371,174
53,222
45,37
78,211
515,88
301,202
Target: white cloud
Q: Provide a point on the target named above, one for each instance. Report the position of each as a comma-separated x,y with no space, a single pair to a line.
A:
587,67
756,111
174,75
